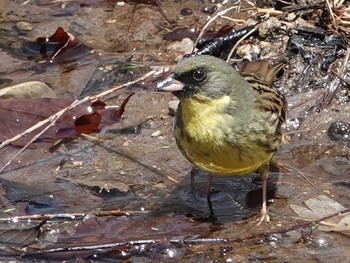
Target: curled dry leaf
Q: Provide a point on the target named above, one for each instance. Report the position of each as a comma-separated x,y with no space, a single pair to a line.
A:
93,122
60,47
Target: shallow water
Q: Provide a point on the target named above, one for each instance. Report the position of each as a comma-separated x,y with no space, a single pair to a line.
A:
130,168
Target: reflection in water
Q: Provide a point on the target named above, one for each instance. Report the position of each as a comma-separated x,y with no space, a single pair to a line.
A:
233,198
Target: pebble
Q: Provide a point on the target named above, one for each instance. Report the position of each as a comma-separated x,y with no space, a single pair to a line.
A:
322,241
173,105
339,131
184,46
264,44
156,133
244,50
267,26
24,26
30,89
249,52
209,10
186,12
291,17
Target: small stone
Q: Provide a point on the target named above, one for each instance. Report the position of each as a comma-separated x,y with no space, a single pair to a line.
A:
173,105
291,17
156,133
30,89
302,22
186,12
339,131
249,52
265,45
267,26
127,143
24,26
210,10
244,50
184,46
161,185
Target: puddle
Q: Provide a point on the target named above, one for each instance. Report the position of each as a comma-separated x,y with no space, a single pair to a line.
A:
135,167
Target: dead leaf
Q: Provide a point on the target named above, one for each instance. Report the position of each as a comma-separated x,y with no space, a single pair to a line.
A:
65,47
20,233
322,206
17,115
339,224
318,207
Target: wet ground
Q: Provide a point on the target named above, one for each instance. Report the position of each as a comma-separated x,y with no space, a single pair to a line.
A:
135,166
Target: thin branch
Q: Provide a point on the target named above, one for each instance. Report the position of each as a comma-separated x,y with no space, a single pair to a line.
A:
211,20
181,241
256,235
302,174
71,216
240,40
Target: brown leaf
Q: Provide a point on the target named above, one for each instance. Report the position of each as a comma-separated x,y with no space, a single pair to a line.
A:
19,233
65,47
17,115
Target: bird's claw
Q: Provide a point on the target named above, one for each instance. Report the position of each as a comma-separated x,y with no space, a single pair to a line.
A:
264,217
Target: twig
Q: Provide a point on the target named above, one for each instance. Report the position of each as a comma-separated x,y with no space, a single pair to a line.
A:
330,11
256,235
72,216
211,20
234,19
302,174
53,122
132,158
53,118
340,77
187,241
240,40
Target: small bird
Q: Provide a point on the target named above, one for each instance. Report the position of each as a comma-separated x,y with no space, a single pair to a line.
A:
226,124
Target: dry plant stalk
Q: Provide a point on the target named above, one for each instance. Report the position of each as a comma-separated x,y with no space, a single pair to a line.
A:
239,41
216,16
337,80
71,216
339,20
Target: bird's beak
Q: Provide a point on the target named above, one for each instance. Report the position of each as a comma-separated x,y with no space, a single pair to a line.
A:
169,84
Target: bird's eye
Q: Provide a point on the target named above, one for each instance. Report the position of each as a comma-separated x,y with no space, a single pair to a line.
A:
199,75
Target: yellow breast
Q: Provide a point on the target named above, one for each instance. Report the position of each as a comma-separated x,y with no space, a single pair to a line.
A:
207,137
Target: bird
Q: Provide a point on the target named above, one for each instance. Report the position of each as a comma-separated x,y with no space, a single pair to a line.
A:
227,124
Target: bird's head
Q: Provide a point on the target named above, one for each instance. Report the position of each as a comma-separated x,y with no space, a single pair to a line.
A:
201,77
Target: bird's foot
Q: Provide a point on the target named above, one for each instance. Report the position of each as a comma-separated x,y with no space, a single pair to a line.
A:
263,217
212,218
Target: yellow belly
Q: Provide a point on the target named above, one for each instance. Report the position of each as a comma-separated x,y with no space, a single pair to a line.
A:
201,134
227,161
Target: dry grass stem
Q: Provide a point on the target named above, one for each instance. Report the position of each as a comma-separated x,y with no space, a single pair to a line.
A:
239,41
216,16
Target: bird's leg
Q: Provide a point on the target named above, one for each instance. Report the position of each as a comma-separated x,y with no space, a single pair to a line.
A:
211,216
264,173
